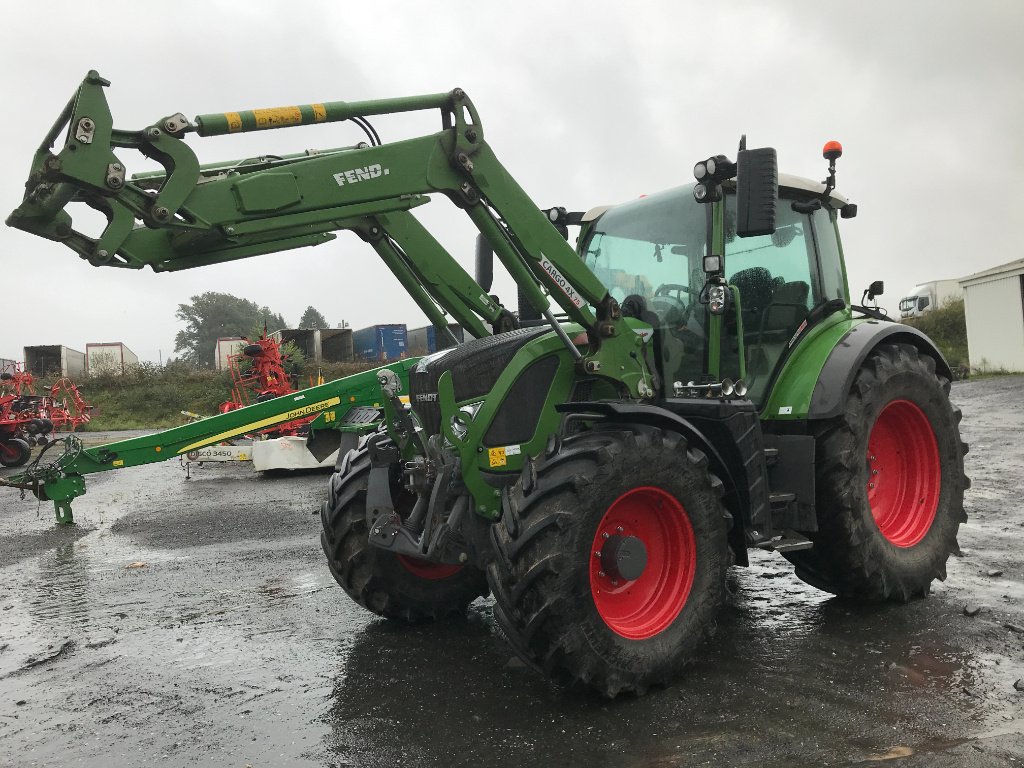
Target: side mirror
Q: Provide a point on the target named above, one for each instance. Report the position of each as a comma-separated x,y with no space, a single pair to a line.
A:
757,191
877,288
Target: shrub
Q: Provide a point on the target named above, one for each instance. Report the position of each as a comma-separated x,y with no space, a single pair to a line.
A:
947,327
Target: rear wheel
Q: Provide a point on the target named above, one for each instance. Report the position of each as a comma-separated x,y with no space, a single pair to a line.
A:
610,562
389,585
890,483
14,452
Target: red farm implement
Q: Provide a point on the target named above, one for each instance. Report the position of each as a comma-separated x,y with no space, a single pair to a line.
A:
258,375
28,419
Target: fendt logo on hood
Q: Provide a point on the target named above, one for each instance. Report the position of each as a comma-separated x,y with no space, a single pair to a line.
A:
356,175
426,397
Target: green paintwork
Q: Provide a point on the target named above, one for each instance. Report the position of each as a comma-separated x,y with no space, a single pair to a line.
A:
795,384
474,455
332,401
198,215
715,323
438,274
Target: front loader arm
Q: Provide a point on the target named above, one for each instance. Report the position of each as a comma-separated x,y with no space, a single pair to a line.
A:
431,276
193,215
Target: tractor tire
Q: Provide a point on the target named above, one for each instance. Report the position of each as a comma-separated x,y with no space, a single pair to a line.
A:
252,350
389,585
610,559
14,452
889,483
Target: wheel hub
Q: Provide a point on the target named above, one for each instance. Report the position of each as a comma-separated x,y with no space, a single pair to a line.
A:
643,563
623,558
904,473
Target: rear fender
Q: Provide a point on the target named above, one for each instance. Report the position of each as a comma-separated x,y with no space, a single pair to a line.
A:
836,378
818,374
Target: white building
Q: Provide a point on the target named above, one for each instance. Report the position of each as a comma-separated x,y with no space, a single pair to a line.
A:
994,308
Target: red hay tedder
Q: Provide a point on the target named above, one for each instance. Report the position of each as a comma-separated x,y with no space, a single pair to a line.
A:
258,374
28,419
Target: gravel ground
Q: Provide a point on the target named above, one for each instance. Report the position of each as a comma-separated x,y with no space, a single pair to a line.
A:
194,622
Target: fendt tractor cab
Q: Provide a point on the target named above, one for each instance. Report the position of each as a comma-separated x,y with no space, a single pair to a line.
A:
707,386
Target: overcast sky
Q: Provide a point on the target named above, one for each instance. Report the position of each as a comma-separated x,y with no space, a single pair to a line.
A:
585,103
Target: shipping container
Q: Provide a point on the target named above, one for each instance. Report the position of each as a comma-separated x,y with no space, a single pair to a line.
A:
226,346
44,359
336,345
423,341
380,343
320,345
306,339
108,357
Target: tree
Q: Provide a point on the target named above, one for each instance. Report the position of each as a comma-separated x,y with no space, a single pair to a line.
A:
311,318
212,315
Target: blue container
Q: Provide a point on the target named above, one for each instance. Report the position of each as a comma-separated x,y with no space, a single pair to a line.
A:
380,343
423,341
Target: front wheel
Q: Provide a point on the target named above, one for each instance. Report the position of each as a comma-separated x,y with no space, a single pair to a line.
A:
389,585
890,483
610,563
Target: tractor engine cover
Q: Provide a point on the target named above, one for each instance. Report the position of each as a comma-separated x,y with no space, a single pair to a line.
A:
475,366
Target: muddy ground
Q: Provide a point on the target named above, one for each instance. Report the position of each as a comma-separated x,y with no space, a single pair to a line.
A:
231,645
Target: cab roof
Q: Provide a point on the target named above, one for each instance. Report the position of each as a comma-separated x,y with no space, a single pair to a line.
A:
786,181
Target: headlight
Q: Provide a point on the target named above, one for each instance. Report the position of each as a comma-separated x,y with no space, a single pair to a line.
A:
716,299
462,417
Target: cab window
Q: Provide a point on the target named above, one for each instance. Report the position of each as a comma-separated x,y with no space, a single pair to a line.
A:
649,255
776,277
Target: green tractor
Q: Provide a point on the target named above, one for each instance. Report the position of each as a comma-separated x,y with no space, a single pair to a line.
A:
707,386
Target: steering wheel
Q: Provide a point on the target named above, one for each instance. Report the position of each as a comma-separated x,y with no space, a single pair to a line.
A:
667,305
672,309
666,289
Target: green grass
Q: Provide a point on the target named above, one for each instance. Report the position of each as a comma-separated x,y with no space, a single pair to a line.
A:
150,397
947,327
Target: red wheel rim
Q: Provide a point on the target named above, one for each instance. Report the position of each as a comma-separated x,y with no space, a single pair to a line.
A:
642,608
425,569
904,474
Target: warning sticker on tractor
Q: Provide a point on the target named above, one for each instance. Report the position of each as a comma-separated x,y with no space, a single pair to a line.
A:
496,457
277,116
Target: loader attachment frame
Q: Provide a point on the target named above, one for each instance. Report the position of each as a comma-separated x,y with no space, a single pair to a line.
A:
192,215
